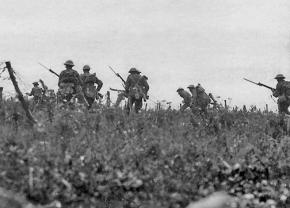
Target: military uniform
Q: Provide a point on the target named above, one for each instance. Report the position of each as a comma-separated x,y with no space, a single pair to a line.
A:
136,87
187,99
69,82
89,80
145,86
282,92
199,98
37,93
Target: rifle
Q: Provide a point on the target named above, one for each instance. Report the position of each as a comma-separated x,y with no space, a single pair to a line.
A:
260,84
118,75
212,98
43,85
116,90
50,70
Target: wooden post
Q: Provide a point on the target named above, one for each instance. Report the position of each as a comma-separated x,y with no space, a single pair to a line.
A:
108,102
226,106
267,108
1,96
19,93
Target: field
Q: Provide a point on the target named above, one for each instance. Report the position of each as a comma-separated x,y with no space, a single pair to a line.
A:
164,158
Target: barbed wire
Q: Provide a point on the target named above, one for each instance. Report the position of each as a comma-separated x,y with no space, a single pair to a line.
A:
3,69
21,80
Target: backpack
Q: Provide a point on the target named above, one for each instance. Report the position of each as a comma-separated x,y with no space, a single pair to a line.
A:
68,76
91,78
136,91
286,88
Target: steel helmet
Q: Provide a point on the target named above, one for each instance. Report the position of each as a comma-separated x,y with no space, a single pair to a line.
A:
134,70
191,86
35,83
86,68
69,63
279,76
179,89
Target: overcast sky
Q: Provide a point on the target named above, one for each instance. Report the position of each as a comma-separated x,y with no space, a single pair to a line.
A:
174,42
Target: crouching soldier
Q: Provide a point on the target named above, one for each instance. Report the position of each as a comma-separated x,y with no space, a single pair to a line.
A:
282,92
200,99
187,100
89,80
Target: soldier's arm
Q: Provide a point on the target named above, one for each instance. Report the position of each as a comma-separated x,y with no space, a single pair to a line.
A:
277,91
60,78
31,93
127,84
99,83
146,85
80,82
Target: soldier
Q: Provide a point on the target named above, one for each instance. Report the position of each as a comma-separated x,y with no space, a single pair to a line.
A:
187,100
282,92
37,93
89,80
69,82
136,88
199,98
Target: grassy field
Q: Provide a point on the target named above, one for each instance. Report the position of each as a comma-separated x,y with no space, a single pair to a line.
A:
154,159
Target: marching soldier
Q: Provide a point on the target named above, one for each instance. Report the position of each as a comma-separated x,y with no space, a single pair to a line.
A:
282,92
89,80
136,87
187,100
122,94
69,82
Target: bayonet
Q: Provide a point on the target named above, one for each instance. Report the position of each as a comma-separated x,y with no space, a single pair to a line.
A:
260,84
118,75
50,70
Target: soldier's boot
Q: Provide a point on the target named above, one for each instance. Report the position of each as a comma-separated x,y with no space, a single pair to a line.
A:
130,104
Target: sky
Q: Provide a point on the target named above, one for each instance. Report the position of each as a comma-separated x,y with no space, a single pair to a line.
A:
175,43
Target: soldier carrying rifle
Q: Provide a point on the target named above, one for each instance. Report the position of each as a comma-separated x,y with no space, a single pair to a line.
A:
37,94
136,87
69,82
89,80
282,92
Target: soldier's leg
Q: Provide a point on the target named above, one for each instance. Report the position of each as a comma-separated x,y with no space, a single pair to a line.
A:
138,105
282,107
129,104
